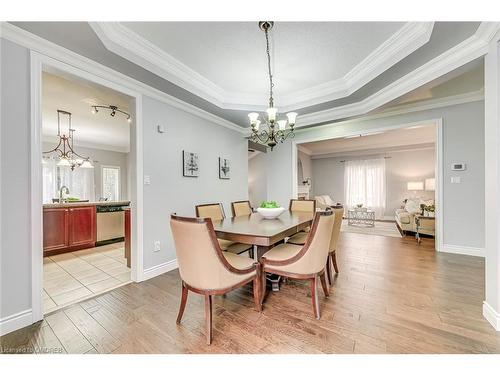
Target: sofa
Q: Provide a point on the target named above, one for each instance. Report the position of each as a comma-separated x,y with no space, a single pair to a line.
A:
405,216
323,202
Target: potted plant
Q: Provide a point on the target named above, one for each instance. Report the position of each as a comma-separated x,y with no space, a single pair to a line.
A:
429,210
270,209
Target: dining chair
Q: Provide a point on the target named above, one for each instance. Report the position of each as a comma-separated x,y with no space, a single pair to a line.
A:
215,211
303,262
338,212
241,208
301,205
206,269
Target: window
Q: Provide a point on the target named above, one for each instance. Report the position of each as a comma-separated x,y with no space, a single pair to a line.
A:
80,182
365,184
111,186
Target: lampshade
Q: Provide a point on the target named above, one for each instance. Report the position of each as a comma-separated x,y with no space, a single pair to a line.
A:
430,184
86,164
253,117
282,124
271,113
415,185
63,162
291,117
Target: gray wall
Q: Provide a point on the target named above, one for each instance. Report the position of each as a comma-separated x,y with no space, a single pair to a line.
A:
106,158
15,180
400,167
463,140
169,191
257,180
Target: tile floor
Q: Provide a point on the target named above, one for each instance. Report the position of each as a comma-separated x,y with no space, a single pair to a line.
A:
71,277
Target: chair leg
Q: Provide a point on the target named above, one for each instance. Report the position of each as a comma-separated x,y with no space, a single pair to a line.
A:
314,296
263,288
257,287
334,260
184,297
208,317
329,269
323,284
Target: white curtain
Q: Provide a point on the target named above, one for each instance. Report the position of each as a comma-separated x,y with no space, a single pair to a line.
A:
80,182
364,183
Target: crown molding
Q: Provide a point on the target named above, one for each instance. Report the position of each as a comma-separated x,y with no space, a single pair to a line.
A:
121,40
464,52
424,105
45,47
419,146
406,40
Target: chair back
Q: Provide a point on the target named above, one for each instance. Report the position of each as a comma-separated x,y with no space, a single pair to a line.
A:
302,205
317,246
214,211
241,208
338,212
197,254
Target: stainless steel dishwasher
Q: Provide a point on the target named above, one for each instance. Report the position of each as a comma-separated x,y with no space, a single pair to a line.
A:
110,223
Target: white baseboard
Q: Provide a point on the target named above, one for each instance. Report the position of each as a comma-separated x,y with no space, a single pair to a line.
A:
159,269
15,321
464,250
491,315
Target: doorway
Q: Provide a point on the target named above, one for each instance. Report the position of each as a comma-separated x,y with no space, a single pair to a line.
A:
86,261
389,185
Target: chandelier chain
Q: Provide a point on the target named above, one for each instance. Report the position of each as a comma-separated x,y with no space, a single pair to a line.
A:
271,84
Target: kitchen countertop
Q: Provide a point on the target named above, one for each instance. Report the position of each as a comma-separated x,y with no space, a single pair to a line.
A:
81,204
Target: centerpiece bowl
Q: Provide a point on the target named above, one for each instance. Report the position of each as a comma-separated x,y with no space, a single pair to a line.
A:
270,213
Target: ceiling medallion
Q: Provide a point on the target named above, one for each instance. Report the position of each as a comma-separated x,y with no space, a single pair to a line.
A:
65,148
272,135
113,110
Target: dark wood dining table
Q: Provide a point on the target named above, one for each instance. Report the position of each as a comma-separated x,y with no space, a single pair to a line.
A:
262,233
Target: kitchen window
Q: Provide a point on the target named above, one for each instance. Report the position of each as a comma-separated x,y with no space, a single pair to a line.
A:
111,186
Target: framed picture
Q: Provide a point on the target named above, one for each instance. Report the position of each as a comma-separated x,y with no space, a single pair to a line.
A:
224,169
190,164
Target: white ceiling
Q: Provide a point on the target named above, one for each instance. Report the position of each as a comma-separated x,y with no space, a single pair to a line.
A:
226,64
399,138
232,55
76,96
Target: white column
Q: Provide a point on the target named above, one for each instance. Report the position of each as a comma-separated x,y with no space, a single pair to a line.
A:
491,306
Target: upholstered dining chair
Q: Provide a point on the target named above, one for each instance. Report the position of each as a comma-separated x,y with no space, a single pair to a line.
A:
301,205
206,269
215,211
241,208
338,212
303,262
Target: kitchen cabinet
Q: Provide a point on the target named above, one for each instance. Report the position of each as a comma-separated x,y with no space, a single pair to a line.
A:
68,228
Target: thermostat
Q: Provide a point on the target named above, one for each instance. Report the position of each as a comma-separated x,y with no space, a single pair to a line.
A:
458,167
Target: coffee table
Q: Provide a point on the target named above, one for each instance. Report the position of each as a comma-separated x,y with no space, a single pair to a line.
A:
361,218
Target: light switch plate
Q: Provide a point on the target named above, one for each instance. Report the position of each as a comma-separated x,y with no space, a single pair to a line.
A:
147,179
456,180
161,129
157,246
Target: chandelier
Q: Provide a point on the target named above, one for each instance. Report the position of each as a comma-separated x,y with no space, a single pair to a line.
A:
272,135
113,110
65,148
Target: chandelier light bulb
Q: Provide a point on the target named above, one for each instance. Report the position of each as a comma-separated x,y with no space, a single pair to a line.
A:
292,116
94,110
257,124
129,120
282,124
271,114
254,116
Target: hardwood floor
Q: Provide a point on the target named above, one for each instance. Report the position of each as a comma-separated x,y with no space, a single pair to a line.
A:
391,296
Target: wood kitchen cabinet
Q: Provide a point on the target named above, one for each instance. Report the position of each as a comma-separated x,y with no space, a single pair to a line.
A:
68,228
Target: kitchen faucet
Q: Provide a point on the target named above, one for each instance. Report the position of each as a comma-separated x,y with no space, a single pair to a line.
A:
65,189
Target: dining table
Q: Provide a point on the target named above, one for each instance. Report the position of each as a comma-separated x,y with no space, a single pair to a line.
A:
262,233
